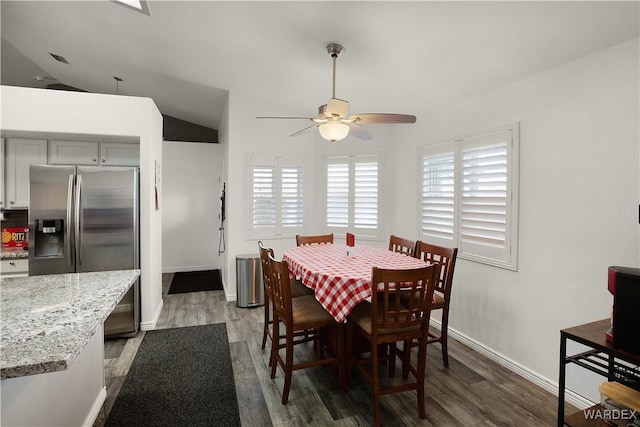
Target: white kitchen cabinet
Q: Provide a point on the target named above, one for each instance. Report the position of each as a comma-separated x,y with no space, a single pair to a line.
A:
2,178
73,152
119,154
93,153
14,267
20,154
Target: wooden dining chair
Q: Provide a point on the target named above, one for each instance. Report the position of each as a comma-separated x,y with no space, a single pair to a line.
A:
446,259
317,239
297,289
399,314
402,245
304,319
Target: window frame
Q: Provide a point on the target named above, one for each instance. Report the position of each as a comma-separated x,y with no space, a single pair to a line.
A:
503,257
278,163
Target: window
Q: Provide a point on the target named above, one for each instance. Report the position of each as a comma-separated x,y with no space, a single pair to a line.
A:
277,196
352,194
469,195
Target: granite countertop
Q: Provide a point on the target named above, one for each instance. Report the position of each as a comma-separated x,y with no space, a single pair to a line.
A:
47,320
13,253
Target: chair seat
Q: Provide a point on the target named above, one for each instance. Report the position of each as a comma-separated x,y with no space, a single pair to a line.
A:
361,315
298,289
308,311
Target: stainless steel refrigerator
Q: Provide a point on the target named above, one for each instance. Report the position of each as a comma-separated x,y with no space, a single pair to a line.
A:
86,218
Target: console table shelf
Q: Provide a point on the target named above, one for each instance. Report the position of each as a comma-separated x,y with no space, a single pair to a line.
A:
602,358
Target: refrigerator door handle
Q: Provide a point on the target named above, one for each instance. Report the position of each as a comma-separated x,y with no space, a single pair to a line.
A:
78,214
67,226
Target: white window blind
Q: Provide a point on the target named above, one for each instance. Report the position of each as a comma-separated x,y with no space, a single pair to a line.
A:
353,194
292,200
438,202
469,195
277,196
338,195
365,208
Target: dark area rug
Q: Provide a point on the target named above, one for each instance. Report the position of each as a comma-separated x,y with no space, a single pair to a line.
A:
196,281
179,377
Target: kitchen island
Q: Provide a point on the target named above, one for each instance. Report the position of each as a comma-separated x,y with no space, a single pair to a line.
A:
52,345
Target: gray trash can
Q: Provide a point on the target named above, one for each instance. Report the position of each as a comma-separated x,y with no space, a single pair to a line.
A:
250,292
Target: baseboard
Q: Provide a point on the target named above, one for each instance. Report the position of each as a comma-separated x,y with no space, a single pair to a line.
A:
149,326
193,268
571,397
95,409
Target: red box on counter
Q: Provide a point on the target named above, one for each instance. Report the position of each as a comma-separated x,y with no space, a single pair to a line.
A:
14,237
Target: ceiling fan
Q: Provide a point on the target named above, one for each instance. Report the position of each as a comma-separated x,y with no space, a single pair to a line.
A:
334,121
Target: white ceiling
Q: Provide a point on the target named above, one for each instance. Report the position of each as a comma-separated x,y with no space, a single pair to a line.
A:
400,57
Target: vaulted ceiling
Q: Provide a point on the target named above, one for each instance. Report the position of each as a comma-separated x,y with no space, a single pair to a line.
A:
399,56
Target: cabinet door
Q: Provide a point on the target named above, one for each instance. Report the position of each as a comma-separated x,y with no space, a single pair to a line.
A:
14,267
21,153
73,152
119,154
2,177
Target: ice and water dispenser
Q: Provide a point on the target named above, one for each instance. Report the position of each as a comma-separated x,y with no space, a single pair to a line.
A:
49,238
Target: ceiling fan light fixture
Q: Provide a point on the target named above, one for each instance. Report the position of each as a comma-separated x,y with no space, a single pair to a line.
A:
334,131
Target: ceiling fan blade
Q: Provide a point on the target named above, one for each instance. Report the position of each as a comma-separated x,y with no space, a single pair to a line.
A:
359,132
303,130
384,118
284,117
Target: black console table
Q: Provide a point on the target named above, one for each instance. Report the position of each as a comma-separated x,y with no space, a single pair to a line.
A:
614,364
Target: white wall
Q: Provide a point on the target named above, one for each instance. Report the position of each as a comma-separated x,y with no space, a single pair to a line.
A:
191,175
579,186
52,113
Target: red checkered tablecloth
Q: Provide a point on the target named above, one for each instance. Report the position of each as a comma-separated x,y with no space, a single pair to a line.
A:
340,282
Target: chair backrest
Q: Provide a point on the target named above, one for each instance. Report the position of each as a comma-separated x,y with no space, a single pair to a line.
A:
445,258
401,245
264,262
309,240
280,289
403,301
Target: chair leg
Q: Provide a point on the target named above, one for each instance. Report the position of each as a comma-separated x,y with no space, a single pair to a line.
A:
392,360
445,352
288,367
375,384
406,357
266,322
444,338
422,356
275,346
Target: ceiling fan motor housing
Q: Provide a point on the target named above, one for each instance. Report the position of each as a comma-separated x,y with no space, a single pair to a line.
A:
335,108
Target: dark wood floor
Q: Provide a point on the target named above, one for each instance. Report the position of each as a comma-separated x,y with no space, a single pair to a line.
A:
474,391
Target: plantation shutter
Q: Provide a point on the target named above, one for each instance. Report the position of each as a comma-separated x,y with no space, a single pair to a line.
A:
485,196
292,200
438,195
338,193
263,196
277,196
469,195
365,207
353,194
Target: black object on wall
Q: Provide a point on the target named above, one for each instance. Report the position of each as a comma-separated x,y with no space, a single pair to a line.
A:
174,129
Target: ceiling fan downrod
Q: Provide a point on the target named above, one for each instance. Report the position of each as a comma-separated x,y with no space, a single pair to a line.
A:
334,51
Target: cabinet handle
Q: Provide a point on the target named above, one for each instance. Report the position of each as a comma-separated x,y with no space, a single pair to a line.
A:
104,160
12,263
12,202
95,160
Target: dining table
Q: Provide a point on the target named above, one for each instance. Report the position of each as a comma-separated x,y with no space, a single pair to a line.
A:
340,275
